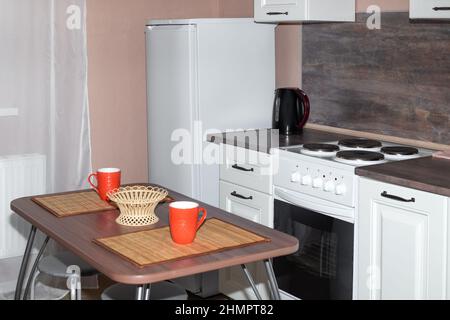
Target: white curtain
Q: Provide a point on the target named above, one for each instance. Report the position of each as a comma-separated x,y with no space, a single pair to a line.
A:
43,87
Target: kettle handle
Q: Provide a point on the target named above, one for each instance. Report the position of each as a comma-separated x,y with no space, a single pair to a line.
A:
307,108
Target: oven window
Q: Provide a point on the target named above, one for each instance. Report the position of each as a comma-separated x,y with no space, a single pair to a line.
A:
322,268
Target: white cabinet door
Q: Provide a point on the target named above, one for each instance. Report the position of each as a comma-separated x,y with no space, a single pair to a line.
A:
402,243
251,205
429,9
304,10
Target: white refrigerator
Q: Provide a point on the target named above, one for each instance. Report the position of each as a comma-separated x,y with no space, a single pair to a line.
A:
203,75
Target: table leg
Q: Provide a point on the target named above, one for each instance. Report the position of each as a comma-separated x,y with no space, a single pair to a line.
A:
148,291
140,291
24,265
33,269
272,280
251,281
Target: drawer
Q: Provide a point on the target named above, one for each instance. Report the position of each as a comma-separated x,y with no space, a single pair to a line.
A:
405,198
429,9
246,203
247,168
280,10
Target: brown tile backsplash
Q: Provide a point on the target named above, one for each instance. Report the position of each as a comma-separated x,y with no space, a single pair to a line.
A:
392,81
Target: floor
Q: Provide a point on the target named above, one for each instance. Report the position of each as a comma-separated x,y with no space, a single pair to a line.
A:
104,282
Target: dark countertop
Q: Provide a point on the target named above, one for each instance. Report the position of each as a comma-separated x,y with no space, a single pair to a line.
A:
425,174
263,140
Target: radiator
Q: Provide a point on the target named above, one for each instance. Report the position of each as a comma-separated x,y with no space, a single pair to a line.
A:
20,176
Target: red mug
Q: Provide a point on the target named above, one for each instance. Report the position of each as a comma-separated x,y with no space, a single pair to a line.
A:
184,221
107,179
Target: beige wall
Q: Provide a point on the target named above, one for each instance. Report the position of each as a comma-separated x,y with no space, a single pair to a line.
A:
117,81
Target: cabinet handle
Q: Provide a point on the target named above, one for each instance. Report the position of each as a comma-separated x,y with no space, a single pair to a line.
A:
390,196
277,13
242,168
441,8
237,195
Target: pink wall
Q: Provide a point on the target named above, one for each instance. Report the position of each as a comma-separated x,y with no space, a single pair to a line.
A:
117,80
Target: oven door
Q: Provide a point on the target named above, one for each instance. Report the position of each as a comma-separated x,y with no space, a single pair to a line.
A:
322,268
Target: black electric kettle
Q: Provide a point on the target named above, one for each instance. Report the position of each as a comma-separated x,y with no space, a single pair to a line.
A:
291,110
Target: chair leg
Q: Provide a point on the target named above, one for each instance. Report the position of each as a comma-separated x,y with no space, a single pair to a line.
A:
33,284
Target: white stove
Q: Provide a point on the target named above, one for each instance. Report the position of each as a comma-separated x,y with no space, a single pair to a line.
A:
316,192
326,171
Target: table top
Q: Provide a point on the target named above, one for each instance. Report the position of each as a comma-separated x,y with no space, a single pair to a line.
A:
78,232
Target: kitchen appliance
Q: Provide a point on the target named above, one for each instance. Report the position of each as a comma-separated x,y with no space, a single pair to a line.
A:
291,110
204,76
315,193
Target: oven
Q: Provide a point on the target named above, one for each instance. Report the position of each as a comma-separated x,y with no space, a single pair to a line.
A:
322,268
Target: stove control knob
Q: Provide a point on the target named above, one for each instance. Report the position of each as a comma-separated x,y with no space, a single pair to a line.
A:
307,180
296,177
329,186
318,183
341,189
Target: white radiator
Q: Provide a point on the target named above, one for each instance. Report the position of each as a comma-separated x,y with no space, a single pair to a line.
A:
20,176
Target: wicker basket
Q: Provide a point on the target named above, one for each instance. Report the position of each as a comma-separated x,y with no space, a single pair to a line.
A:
137,204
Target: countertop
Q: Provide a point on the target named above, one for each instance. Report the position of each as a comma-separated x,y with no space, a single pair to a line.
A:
426,174
263,140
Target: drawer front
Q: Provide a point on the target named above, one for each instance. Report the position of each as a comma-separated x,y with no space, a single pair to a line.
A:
430,9
246,203
280,10
406,198
247,168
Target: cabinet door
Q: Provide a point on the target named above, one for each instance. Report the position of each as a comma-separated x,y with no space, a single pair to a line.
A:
304,10
280,10
256,207
401,247
429,9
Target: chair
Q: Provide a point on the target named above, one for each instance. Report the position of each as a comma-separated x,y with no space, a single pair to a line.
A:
57,266
159,291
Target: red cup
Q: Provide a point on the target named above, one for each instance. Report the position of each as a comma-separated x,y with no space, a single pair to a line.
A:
184,221
108,179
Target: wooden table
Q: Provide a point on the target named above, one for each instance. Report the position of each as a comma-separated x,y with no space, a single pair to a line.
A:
76,234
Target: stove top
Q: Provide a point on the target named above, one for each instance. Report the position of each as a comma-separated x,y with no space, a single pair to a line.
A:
359,152
360,143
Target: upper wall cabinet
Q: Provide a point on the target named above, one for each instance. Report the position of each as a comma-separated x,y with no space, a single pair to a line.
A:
304,10
429,9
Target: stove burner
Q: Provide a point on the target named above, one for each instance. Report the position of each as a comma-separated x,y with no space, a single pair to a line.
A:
321,147
360,143
355,155
400,151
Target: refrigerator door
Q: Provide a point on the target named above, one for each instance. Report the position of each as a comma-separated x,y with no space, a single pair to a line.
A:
236,67
171,74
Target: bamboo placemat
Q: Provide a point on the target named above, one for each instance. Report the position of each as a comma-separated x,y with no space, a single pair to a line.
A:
145,248
72,204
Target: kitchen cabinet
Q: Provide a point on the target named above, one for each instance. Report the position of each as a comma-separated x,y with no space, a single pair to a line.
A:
246,191
429,9
402,243
304,10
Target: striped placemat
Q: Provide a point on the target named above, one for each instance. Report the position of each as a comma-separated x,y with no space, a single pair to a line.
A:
72,204
145,248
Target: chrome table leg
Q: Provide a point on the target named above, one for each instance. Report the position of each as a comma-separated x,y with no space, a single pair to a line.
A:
148,291
272,280
140,291
251,281
24,265
33,269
